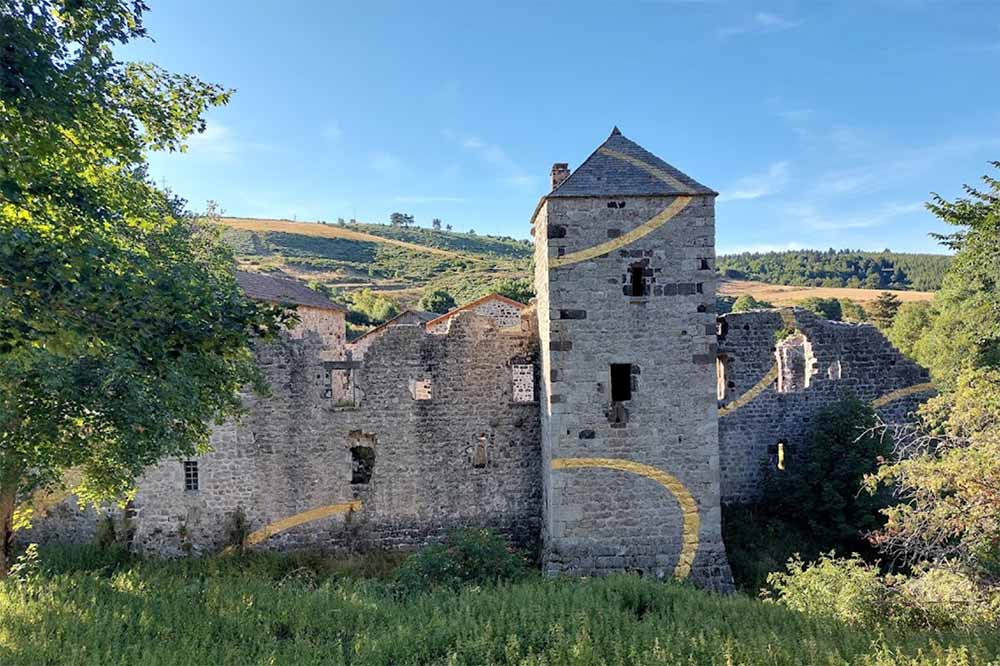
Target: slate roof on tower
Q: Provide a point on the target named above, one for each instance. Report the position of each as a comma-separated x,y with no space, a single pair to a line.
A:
622,167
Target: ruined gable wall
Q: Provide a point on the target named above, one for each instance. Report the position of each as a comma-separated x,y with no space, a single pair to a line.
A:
328,324
359,347
818,366
469,456
502,313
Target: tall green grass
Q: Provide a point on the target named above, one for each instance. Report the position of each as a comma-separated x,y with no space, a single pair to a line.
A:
90,609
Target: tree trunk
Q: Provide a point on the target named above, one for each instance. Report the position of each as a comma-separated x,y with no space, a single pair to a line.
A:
8,501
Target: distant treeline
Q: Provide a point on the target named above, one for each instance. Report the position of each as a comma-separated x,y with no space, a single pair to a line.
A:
838,268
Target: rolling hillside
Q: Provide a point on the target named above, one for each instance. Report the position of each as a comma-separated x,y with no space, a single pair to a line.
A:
403,261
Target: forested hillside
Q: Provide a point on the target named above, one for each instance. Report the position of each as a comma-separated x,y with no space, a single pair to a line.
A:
838,268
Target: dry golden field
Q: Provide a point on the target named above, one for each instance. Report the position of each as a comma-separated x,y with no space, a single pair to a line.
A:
328,231
786,295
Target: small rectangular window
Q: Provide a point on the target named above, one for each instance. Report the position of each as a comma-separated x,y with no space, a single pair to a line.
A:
420,389
621,382
638,281
191,475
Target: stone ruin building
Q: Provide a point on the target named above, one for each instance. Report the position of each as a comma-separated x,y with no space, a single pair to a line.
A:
607,423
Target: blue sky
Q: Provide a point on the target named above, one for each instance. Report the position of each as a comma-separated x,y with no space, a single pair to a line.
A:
821,124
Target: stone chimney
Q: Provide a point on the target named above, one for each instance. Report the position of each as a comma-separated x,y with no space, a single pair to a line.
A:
560,172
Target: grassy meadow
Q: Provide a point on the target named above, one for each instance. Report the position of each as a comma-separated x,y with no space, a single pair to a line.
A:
88,607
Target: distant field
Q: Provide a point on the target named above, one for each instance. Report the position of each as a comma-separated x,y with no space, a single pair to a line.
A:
328,231
785,295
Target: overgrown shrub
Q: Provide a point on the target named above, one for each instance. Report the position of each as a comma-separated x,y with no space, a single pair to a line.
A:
467,557
820,489
816,503
848,589
235,529
856,592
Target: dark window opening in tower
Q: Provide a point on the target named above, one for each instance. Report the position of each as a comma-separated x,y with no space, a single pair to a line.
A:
362,464
638,281
621,382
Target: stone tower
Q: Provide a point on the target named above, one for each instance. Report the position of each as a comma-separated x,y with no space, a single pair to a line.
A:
624,275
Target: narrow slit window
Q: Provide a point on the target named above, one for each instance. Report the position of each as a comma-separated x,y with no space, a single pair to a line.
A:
621,382
638,281
781,456
191,475
720,377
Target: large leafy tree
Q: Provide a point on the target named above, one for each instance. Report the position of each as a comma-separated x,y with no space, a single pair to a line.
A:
966,328
947,468
123,333
436,300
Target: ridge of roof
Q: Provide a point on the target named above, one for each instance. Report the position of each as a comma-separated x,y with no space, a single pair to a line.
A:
621,167
451,313
422,315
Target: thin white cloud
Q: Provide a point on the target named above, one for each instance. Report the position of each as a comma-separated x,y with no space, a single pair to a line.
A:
761,23
808,216
760,185
332,131
521,180
216,142
794,116
493,155
385,163
424,199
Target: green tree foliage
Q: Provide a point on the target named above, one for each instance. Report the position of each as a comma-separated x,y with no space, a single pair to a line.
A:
371,308
852,311
946,473
882,311
746,302
123,333
521,290
911,322
436,300
838,268
467,557
819,491
401,220
856,592
966,327
828,308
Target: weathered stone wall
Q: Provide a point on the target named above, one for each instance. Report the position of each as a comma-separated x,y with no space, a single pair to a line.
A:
500,311
468,456
359,347
636,513
772,390
327,324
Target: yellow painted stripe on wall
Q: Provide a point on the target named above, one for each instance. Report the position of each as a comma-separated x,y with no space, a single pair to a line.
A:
689,508
752,393
288,523
901,393
656,172
650,225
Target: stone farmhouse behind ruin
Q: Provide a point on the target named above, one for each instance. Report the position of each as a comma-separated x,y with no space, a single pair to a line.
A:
606,423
